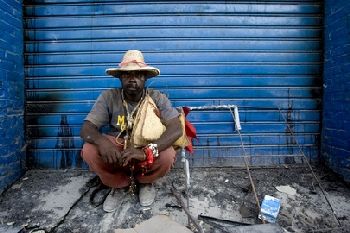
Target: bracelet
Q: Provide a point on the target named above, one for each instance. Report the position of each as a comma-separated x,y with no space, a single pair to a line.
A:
151,152
154,148
149,156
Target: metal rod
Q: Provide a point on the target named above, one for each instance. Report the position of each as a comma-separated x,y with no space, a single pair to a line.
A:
214,224
309,165
227,221
187,177
179,199
252,167
213,107
219,107
247,167
186,167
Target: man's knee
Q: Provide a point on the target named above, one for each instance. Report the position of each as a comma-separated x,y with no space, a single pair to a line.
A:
89,152
167,159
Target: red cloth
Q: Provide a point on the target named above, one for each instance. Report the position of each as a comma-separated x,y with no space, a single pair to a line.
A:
190,130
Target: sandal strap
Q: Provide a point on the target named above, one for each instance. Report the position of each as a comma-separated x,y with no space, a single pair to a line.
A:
94,193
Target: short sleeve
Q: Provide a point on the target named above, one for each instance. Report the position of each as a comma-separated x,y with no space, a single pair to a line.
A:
167,111
99,114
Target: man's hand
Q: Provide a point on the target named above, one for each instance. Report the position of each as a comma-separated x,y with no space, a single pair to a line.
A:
108,151
132,153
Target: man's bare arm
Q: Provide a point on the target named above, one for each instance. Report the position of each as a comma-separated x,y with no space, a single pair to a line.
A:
108,151
172,133
90,133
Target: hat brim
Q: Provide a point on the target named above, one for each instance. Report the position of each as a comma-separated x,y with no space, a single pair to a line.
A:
149,70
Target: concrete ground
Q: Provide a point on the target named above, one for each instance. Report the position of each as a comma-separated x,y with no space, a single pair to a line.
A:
58,201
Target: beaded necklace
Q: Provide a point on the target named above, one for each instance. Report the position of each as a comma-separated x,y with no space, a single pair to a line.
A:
130,122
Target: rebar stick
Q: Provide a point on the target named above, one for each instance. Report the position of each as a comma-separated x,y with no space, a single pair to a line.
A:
213,107
248,171
187,211
309,165
187,182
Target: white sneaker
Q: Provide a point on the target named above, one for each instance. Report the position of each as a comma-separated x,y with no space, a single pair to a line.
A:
147,194
113,200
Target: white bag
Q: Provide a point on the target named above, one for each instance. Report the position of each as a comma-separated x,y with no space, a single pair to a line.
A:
147,126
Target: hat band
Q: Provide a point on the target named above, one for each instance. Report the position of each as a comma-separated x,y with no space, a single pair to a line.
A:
139,63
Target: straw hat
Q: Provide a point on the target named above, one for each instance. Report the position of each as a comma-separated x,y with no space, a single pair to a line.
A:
133,60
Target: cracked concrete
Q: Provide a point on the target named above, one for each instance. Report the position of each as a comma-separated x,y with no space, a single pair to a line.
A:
42,198
58,201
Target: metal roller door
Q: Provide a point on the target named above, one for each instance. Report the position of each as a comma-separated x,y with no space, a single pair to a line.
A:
260,56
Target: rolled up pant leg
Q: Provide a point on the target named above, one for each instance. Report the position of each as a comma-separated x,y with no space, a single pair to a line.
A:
110,176
118,177
161,166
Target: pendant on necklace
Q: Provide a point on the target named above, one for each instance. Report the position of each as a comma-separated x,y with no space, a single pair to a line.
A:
130,122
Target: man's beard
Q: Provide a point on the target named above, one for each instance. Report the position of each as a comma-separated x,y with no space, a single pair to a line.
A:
133,93
133,90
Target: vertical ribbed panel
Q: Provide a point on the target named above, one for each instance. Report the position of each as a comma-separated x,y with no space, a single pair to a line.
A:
260,56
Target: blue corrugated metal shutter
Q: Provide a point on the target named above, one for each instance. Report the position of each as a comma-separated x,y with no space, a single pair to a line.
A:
257,55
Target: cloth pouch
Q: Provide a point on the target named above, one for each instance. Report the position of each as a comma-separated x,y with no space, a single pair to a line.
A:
182,141
147,126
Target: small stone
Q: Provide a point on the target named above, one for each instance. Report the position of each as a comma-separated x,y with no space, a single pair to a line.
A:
226,181
286,219
145,209
290,229
25,178
10,223
201,198
16,186
212,204
245,212
287,189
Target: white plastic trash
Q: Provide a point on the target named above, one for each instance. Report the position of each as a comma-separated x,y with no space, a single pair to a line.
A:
270,208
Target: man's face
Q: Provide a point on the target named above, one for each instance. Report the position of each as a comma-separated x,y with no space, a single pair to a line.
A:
133,82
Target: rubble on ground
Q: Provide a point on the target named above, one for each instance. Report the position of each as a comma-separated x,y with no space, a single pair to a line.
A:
58,201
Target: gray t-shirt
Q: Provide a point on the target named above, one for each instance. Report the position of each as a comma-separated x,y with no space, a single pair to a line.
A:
109,110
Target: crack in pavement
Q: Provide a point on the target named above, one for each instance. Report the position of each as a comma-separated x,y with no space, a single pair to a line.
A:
52,230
